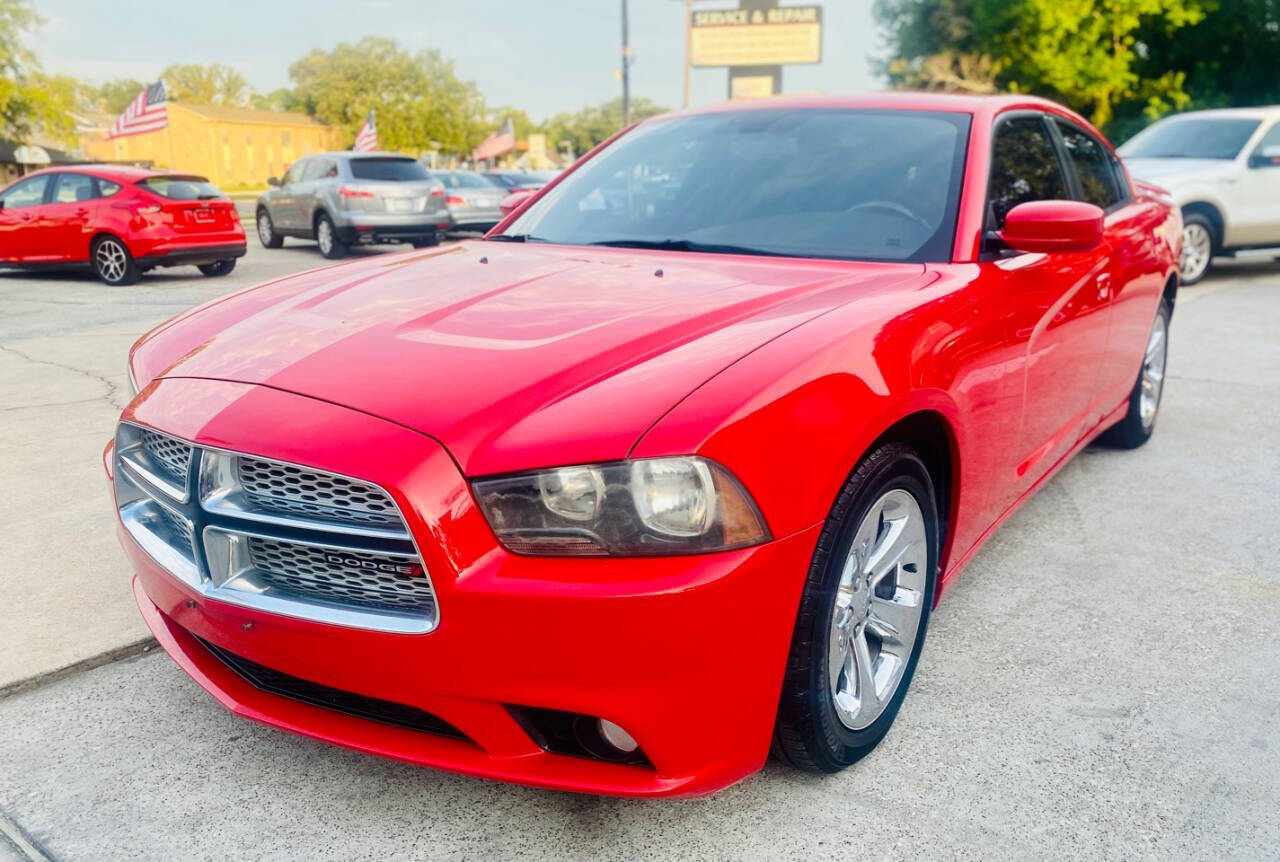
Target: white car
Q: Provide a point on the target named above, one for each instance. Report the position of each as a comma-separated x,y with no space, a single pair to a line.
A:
1223,168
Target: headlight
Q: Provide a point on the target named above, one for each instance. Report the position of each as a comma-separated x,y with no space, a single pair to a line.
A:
649,506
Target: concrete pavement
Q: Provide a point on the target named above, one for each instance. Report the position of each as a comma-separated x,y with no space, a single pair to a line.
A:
1101,683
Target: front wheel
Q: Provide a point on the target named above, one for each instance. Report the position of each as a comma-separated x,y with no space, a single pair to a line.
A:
1144,400
863,614
218,267
1198,241
112,262
267,230
327,238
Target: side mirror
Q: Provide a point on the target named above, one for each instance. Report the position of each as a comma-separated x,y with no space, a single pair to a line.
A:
1053,226
274,182
1266,157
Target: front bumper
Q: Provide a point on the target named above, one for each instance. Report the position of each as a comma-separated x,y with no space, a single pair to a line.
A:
685,653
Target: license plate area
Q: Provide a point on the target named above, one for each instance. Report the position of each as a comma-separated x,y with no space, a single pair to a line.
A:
400,205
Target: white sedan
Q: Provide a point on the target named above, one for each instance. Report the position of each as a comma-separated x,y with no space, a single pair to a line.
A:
1223,169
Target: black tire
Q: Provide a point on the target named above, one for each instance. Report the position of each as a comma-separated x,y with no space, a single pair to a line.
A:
1135,428
427,242
327,238
267,230
1198,221
112,262
809,733
218,267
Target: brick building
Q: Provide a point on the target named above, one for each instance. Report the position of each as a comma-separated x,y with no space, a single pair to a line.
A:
233,147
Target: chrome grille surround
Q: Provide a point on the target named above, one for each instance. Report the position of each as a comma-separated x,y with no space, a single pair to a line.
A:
235,542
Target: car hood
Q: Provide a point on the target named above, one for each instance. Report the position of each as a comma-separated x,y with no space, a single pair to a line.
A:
1172,173
512,356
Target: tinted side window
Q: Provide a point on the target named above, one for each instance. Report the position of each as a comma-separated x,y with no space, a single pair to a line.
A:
319,169
1270,140
69,188
27,193
1093,166
294,174
1024,167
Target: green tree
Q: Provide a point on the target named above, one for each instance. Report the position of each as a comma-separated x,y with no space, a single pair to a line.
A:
113,96
29,99
279,99
1087,53
212,84
419,100
591,125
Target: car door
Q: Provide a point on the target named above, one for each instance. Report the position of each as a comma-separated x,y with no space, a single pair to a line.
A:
1055,307
20,238
1134,276
314,176
284,205
1257,221
65,217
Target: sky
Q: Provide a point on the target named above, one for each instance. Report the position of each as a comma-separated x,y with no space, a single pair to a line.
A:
544,56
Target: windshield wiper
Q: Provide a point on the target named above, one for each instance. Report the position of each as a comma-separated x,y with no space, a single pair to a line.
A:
690,245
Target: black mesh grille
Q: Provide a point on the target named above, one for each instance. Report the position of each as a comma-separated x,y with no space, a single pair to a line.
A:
294,490
179,533
348,577
348,703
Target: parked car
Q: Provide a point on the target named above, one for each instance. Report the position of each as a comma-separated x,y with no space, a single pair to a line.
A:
512,180
342,199
1223,169
117,221
627,495
472,200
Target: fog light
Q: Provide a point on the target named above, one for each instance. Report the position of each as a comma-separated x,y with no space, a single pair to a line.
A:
616,736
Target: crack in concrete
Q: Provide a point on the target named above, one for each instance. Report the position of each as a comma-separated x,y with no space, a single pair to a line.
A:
112,388
31,683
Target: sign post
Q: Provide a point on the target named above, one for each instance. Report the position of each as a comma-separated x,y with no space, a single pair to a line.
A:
755,41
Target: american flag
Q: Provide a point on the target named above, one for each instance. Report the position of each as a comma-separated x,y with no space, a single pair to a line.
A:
146,114
501,141
367,137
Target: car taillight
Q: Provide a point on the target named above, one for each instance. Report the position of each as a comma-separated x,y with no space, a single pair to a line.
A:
454,201
437,193
348,192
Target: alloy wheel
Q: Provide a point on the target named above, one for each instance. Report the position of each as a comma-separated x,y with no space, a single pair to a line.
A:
1153,371
264,228
878,607
324,236
111,260
1197,251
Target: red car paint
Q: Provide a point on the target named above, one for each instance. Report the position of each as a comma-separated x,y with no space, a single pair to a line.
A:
421,371
156,230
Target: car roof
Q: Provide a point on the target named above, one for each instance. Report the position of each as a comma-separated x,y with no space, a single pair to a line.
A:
1261,112
980,105
122,173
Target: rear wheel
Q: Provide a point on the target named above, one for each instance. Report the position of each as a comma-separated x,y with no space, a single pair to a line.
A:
1199,239
327,238
863,614
218,267
1144,401
267,230
112,262
427,241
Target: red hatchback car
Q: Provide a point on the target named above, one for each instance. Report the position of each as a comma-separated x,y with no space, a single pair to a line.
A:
119,221
667,471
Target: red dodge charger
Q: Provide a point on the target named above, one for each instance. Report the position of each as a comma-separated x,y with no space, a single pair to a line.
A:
670,469
118,221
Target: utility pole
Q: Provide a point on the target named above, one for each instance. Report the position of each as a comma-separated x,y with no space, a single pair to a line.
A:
626,71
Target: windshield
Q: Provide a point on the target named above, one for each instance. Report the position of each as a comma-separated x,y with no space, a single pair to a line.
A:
848,184
383,168
1200,138
463,180
180,188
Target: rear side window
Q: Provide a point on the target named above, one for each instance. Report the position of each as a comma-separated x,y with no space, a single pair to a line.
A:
383,168
181,188
69,188
1024,167
106,188
1093,166
27,193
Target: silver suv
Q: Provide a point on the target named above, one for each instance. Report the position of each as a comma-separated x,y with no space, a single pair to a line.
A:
345,198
